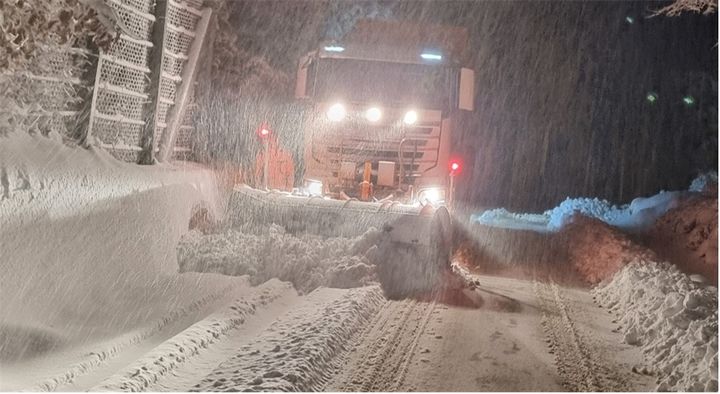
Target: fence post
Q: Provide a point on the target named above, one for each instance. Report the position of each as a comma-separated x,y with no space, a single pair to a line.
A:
177,111
93,103
147,155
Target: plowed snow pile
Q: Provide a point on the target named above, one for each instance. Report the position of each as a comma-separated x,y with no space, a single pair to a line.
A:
308,261
597,250
688,235
672,318
639,214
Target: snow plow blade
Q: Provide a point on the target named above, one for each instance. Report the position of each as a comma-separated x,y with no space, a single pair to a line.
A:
413,245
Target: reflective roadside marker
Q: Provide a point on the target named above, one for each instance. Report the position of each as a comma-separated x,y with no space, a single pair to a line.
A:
651,97
689,100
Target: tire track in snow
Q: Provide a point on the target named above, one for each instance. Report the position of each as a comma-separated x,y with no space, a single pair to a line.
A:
579,363
392,339
99,357
302,348
186,345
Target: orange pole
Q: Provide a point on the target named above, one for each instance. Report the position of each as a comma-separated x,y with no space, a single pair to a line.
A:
365,186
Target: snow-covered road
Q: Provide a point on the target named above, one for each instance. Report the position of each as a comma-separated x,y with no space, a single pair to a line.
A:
505,335
501,337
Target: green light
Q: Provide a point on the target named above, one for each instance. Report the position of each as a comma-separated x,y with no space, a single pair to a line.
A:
629,19
689,100
651,97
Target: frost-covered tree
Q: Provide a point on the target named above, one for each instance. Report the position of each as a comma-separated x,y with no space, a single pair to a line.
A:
679,6
44,49
27,26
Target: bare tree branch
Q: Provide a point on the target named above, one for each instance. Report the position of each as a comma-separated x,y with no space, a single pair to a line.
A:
705,7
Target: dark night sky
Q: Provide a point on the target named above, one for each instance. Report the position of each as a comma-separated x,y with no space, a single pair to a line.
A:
561,91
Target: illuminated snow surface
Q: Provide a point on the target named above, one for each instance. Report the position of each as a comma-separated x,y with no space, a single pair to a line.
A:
90,248
638,215
88,256
93,297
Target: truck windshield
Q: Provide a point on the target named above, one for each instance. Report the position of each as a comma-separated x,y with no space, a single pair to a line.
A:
426,86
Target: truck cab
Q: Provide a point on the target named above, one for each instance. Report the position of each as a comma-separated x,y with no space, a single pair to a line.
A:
383,104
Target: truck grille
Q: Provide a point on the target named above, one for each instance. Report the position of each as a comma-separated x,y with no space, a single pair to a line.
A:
420,149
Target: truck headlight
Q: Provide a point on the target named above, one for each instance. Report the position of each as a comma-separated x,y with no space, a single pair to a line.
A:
336,112
313,187
373,114
433,195
410,117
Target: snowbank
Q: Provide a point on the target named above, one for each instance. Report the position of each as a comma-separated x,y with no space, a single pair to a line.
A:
703,182
672,318
688,236
678,226
88,249
308,261
597,250
501,217
639,215
44,179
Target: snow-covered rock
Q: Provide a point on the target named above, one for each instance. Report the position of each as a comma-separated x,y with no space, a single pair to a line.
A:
702,181
673,319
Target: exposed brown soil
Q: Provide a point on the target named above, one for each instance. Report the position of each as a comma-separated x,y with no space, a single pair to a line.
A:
516,253
687,236
597,250
584,252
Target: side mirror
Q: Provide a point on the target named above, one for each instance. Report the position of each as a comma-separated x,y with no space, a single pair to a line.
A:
466,91
301,79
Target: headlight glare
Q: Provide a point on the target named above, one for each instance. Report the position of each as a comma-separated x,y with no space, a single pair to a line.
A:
432,195
373,114
313,187
410,117
336,112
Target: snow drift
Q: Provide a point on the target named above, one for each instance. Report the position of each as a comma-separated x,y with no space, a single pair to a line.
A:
88,255
672,318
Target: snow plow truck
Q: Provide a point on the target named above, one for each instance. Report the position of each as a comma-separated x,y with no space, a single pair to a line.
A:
382,104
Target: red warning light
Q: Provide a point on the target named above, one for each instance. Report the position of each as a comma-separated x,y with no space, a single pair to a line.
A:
263,131
455,167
